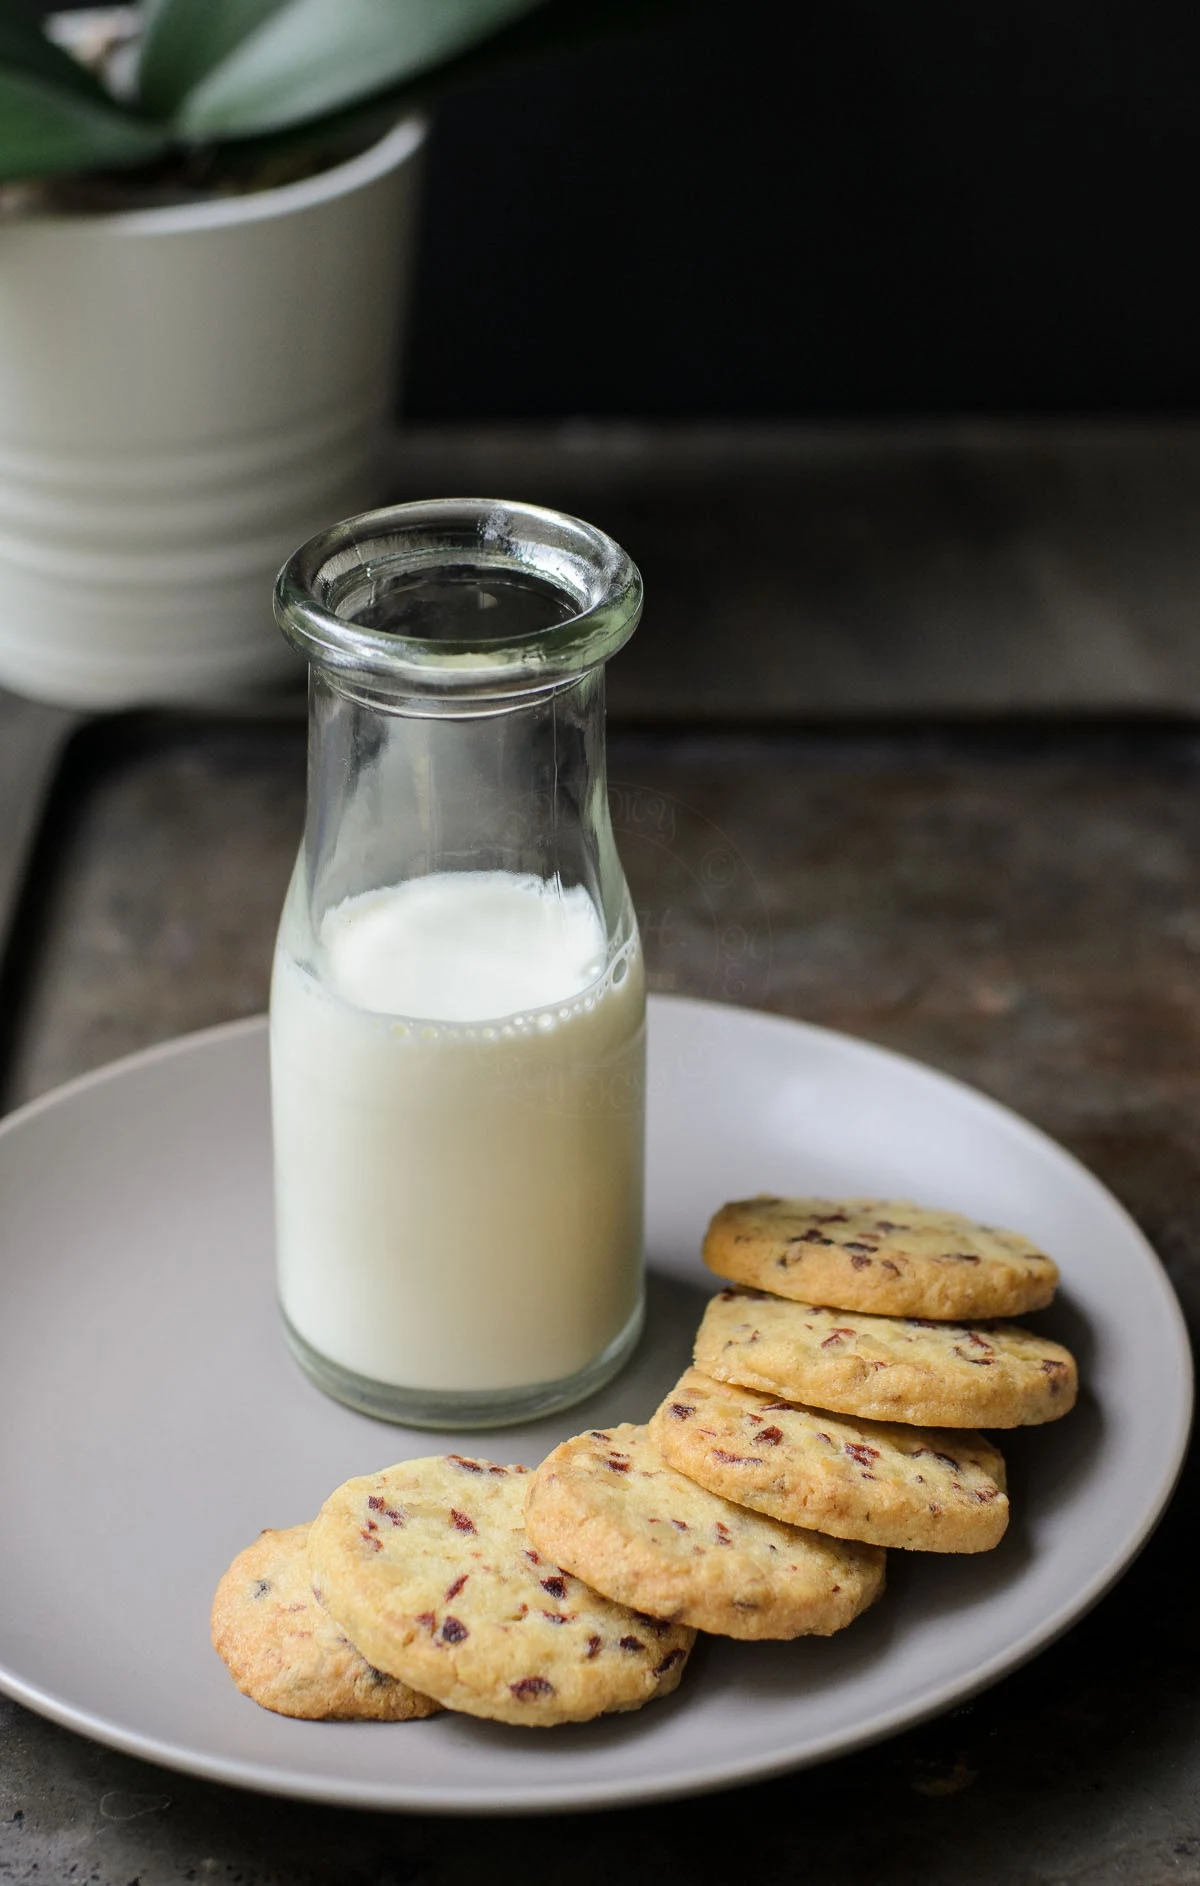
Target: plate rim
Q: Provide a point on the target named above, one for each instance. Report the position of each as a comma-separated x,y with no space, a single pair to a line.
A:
571,1797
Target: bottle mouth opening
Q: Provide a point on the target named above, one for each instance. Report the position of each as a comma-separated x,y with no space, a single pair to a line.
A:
474,598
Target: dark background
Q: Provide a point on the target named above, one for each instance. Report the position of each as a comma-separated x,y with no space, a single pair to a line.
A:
754,208
757,207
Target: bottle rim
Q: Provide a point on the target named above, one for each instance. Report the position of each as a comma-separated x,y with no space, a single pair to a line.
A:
338,569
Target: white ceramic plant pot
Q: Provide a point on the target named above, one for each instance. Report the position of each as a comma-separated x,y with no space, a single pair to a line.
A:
186,394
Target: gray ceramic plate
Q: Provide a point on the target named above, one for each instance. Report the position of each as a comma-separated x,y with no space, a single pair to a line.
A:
151,1423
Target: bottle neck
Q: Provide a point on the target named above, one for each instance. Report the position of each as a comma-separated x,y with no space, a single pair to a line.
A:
520,788
458,603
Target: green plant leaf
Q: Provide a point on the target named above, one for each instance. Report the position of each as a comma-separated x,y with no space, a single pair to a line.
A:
184,40
45,131
311,56
25,51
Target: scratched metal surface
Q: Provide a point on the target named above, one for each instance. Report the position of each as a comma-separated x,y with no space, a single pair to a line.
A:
1020,907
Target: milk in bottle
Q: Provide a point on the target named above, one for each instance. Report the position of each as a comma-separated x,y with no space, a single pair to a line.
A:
458,1110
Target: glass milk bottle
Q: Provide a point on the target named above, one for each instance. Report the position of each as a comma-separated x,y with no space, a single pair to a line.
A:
458,1000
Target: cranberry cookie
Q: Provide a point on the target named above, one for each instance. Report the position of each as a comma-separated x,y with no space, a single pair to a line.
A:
884,1256
427,1566
942,1375
925,1489
609,1507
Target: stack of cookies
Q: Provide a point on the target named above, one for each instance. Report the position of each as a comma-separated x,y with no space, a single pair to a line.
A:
832,1412
840,1382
